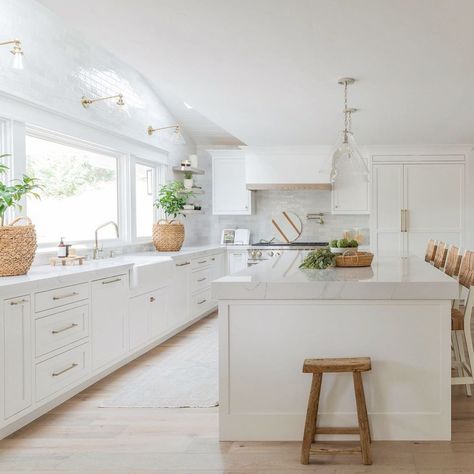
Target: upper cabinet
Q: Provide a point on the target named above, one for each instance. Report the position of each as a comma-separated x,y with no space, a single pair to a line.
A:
350,195
229,191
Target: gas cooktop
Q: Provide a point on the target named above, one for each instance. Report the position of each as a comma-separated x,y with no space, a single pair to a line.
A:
290,244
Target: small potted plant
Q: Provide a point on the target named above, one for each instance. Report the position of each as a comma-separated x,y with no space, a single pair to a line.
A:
342,245
168,233
17,242
188,180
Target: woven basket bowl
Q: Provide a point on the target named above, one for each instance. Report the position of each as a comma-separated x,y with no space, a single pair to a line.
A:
168,236
354,259
17,247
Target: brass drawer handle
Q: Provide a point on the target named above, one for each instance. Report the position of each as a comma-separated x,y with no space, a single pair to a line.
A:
213,259
69,295
202,261
202,301
58,331
16,302
183,264
72,366
152,299
111,281
202,279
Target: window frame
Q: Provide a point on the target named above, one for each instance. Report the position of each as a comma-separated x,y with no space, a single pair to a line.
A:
66,140
158,178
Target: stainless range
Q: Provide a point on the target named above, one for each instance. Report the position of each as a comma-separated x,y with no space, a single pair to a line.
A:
264,251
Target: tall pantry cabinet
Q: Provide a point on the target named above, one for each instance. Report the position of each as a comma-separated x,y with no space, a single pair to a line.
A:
414,201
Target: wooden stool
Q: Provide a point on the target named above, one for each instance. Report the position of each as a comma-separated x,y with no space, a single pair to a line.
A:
317,367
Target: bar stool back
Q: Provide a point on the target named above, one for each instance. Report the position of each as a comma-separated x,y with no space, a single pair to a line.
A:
440,255
430,250
453,262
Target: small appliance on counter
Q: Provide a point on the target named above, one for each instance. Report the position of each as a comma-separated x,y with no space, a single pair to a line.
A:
235,237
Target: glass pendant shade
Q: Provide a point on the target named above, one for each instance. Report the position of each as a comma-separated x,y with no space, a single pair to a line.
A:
347,159
17,60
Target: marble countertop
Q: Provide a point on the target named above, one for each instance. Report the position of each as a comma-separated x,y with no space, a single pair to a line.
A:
388,278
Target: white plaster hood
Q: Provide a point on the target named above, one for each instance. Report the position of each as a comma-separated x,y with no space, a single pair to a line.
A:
287,167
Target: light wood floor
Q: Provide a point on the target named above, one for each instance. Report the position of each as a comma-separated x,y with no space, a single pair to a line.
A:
80,437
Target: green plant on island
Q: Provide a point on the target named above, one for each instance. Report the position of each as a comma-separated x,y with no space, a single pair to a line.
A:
319,259
344,244
13,192
172,200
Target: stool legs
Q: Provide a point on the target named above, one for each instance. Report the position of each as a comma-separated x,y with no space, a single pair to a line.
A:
363,418
311,417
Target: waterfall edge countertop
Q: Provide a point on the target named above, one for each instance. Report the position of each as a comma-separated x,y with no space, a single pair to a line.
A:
388,278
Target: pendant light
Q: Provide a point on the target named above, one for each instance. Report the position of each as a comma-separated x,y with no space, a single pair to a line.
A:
347,159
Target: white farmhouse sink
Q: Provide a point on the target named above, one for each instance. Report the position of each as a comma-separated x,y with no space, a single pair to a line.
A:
148,272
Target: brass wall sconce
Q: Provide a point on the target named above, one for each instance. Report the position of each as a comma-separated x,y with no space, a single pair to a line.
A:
16,51
151,130
86,101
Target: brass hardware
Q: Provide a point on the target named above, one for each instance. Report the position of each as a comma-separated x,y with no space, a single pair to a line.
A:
202,301
202,261
111,281
150,130
213,259
16,302
73,365
183,264
69,295
86,101
152,299
202,279
402,221
58,331
405,214
16,51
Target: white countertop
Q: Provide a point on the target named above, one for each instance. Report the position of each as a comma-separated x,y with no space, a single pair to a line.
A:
387,278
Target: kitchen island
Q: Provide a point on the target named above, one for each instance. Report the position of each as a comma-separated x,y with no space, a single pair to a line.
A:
274,315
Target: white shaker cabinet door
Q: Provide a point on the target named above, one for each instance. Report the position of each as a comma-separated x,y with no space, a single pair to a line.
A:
17,356
138,321
434,203
388,205
237,261
350,194
229,190
109,311
179,294
157,304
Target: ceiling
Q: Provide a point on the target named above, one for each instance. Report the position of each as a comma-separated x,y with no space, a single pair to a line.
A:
265,72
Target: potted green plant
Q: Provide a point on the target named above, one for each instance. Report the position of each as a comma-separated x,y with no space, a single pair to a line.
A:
188,180
168,233
17,242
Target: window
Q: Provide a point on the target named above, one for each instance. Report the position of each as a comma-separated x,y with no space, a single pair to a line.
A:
80,190
144,198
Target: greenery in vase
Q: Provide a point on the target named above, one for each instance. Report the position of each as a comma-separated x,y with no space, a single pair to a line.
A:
344,244
319,259
171,199
12,193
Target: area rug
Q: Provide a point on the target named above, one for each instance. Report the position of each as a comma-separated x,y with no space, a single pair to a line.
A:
182,376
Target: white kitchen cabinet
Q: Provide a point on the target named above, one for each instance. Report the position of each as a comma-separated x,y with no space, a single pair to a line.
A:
179,294
415,202
109,302
17,356
237,260
218,266
350,194
229,191
158,304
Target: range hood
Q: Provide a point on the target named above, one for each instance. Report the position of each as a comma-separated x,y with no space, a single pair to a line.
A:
287,168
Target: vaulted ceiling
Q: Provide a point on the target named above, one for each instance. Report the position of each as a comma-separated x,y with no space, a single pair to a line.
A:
265,71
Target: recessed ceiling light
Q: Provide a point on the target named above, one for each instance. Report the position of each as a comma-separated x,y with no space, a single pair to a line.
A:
187,105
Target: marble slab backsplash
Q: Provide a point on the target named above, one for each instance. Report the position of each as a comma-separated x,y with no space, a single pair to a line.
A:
301,202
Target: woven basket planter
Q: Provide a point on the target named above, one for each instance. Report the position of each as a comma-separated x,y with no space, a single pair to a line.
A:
355,259
17,247
168,236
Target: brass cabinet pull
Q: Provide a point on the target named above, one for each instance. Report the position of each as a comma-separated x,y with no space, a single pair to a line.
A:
16,302
202,301
202,261
183,264
213,259
405,213
402,220
72,366
152,299
68,295
202,279
111,281
58,331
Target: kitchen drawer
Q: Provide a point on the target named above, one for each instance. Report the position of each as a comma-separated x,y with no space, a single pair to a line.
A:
201,302
60,329
65,369
60,296
201,262
200,279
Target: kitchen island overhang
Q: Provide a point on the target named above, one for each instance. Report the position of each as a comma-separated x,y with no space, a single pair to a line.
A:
273,316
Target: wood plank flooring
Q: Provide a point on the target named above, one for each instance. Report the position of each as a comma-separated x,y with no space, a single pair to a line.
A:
80,437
